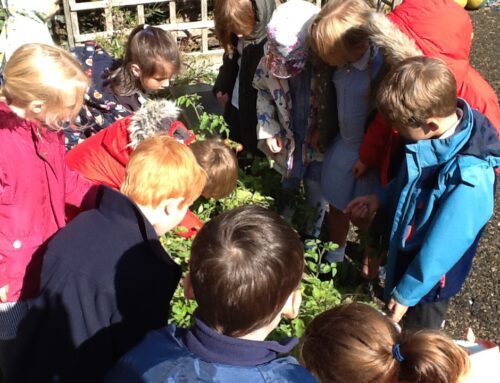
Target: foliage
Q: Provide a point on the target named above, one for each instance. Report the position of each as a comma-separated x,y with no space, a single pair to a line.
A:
3,16
196,70
210,125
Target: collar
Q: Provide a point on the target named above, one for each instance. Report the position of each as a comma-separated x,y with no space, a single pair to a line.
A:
451,130
362,63
214,347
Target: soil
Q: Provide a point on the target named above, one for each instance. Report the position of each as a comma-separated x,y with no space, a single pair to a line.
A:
478,303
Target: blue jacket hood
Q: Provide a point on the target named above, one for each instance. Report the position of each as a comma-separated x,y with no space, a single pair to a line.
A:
483,142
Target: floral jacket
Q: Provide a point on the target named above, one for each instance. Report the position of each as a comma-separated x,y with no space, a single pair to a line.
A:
274,108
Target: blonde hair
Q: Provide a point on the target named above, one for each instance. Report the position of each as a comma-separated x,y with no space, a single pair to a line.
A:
40,72
233,17
221,165
161,168
354,343
415,90
338,27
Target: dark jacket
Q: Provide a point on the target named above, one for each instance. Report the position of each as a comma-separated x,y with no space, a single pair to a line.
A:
201,354
101,105
106,281
443,198
243,124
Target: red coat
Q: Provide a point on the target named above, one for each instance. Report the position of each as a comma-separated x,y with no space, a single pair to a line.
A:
102,158
440,29
34,188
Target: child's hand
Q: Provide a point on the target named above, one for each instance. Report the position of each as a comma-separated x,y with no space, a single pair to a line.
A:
222,98
358,169
396,310
362,209
3,293
274,144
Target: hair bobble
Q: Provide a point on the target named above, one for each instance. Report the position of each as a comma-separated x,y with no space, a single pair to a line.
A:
146,28
396,352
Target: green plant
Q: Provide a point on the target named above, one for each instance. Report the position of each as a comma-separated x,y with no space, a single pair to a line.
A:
209,124
317,295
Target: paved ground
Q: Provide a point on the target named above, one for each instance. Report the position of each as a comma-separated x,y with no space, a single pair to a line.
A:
478,304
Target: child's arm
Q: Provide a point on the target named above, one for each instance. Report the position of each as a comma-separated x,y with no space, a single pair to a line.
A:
375,141
463,213
226,78
79,191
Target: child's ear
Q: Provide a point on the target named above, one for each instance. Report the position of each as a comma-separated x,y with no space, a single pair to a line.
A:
188,287
136,70
432,124
172,205
292,305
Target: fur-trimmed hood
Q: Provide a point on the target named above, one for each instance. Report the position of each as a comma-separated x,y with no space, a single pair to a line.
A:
155,116
389,38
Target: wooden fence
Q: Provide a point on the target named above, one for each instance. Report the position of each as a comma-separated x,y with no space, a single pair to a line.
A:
72,10
204,26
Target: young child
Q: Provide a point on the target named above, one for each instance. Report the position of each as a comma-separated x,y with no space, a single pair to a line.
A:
286,108
359,66
245,270
120,87
106,279
43,87
26,22
357,344
444,193
103,157
240,26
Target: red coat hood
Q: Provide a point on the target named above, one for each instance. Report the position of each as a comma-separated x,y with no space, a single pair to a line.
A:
424,22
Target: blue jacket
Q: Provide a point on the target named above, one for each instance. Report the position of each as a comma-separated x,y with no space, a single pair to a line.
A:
446,197
202,355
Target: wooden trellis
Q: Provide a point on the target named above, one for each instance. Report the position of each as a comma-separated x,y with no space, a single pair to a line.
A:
72,8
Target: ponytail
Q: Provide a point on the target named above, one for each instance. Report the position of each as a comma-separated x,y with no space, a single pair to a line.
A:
431,357
357,344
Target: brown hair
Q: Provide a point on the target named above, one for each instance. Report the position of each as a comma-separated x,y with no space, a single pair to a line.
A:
161,168
339,27
354,343
48,74
233,17
415,90
221,165
244,265
149,48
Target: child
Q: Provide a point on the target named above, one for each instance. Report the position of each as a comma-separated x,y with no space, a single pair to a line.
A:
102,158
286,108
26,22
43,87
120,87
240,26
245,270
443,195
357,344
106,279
359,67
